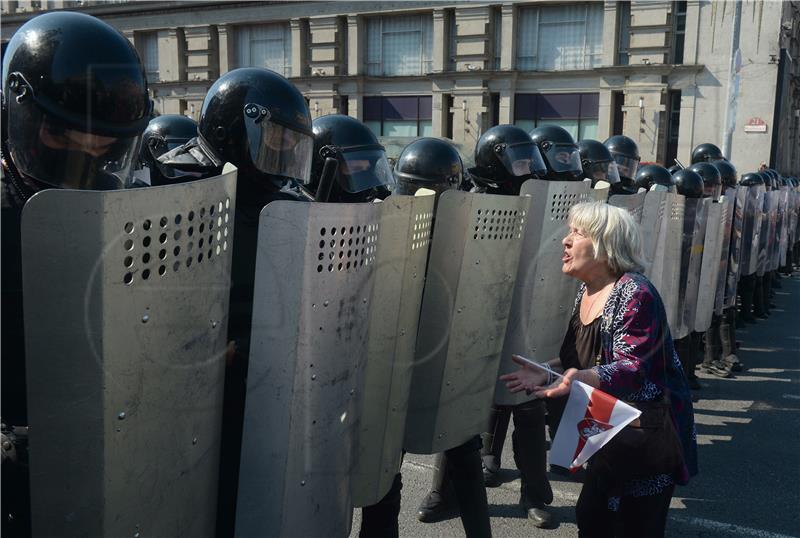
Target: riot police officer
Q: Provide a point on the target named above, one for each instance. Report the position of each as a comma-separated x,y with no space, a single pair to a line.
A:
559,151
505,157
706,152
712,180
747,283
74,105
435,165
626,154
163,134
654,177
257,120
598,163
690,185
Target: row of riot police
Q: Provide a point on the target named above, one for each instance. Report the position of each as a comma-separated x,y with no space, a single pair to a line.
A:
245,335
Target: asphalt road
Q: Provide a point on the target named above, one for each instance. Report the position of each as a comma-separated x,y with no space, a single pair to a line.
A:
749,448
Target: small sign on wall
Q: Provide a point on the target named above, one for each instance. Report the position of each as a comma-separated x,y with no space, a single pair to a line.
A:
755,125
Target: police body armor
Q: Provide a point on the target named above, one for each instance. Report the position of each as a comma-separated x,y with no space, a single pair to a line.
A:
543,294
126,304
469,282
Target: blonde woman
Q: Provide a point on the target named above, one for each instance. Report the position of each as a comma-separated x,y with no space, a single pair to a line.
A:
618,340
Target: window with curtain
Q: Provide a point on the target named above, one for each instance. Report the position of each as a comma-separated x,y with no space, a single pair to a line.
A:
452,31
399,45
624,34
575,112
149,52
560,37
498,36
405,116
265,45
679,27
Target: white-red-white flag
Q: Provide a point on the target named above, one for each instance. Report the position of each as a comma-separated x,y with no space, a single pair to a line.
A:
591,419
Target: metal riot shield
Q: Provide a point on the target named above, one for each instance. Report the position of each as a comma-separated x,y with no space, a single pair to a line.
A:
543,295
662,228
751,235
727,201
710,265
314,276
694,228
764,244
126,304
405,230
774,230
792,226
465,307
599,195
634,203
735,247
783,233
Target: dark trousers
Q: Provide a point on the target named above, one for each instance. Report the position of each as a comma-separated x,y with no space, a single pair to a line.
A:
636,517
746,291
529,445
713,341
727,331
687,348
380,520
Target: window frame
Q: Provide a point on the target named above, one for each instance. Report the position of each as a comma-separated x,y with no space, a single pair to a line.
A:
382,99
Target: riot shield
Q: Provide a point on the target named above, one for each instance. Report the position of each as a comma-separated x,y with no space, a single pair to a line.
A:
126,305
751,235
711,265
735,247
694,228
465,306
315,272
634,203
764,243
543,295
783,228
402,255
774,230
662,228
599,195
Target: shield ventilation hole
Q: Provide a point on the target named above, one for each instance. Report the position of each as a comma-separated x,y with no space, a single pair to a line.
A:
346,248
498,224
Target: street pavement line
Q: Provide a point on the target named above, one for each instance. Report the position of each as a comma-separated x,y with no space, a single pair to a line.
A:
708,524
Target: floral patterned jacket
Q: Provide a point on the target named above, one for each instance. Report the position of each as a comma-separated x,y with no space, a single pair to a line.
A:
638,359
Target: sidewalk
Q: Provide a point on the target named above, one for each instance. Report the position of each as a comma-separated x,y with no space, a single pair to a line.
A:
749,446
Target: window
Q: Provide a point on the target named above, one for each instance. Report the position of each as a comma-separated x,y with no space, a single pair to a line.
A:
149,52
560,37
452,32
679,27
673,126
265,45
399,45
498,36
575,112
624,32
398,116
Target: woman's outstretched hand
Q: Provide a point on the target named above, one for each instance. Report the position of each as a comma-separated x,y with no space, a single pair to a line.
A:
559,388
527,378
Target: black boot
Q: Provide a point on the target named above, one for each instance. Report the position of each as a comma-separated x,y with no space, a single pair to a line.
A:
530,456
493,440
759,308
381,520
440,503
465,473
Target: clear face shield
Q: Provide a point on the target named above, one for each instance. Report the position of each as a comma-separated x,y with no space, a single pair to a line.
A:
712,191
602,171
276,149
158,146
626,166
362,168
522,159
564,158
57,155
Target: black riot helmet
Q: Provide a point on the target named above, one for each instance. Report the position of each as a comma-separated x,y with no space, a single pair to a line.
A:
767,178
728,174
712,181
689,183
597,162
357,164
706,153
164,134
505,157
654,177
429,163
674,168
75,100
751,179
257,120
626,154
559,151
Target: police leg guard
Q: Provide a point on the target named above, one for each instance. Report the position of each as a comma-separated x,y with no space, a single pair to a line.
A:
530,456
381,520
728,334
493,440
712,362
465,473
440,503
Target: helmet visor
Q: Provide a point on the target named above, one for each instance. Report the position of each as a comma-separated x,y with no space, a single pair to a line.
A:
602,171
278,150
564,158
57,155
712,191
626,166
363,169
522,160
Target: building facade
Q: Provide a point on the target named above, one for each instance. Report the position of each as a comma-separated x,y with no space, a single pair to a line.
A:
668,74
